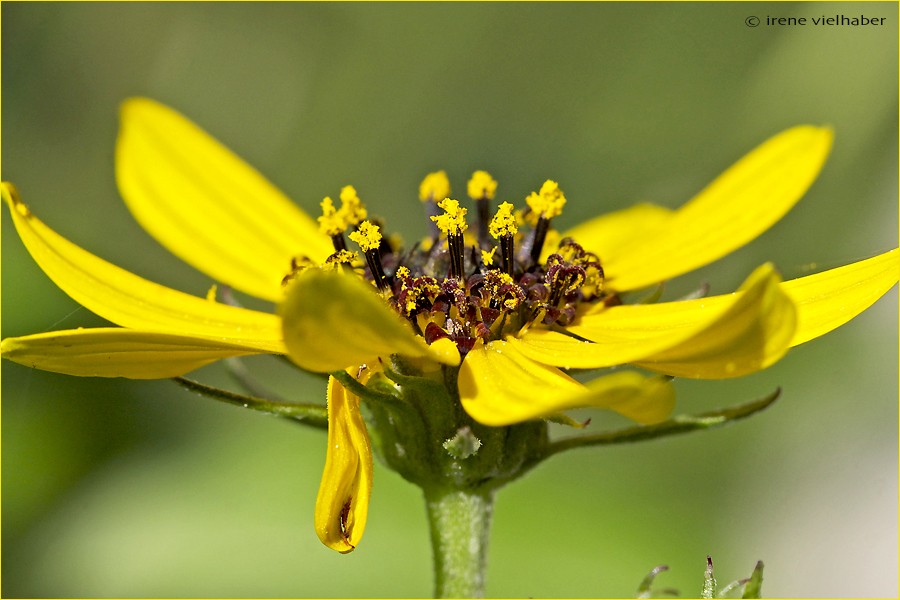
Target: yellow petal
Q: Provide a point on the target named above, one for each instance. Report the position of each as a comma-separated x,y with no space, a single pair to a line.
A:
113,352
208,206
500,386
130,301
752,334
647,400
332,320
739,205
724,336
343,501
829,299
604,234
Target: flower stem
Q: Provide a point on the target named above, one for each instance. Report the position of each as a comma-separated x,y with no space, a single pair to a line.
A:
460,523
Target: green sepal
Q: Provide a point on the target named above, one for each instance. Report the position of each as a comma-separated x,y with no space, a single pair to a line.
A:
654,297
366,393
314,415
563,419
700,292
677,425
428,394
754,586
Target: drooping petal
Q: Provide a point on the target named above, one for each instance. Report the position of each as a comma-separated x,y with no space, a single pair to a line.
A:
332,320
725,336
500,386
827,300
131,301
343,501
208,206
735,208
113,352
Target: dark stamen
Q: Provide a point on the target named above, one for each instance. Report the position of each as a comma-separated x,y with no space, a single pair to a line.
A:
508,252
481,205
373,259
339,243
540,234
457,256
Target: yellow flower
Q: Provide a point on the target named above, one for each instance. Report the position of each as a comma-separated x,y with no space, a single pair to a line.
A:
511,332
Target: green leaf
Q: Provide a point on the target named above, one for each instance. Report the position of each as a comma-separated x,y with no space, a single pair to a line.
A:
709,582
731,586
314,415
644,590
754,586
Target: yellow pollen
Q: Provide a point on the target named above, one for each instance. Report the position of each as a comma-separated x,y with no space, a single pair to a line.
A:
331,222
343,257
368,237
503,223
488,257
453,221
435,186
482,186
352,209
412,298
548,202
402,272
211,294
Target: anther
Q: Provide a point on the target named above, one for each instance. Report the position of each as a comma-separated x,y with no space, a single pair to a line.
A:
481,189
434,188
369,239
333,224
503,227
453,224
353,211
546,204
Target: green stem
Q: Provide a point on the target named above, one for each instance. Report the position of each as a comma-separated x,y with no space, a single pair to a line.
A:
460,529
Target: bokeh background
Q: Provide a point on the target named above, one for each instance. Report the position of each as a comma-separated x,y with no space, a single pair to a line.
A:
123,488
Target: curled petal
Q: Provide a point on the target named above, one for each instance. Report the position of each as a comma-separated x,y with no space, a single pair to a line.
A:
500,386
114,352
725,336
332,320
131,301
206,205
343,500
752,334
736,207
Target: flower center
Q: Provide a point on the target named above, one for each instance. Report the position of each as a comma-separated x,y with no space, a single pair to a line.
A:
456,285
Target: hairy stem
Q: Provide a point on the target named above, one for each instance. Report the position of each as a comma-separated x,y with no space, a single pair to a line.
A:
460,523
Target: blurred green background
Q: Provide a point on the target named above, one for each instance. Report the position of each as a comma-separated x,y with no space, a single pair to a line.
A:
123,488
